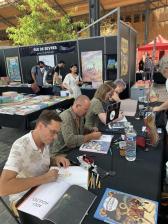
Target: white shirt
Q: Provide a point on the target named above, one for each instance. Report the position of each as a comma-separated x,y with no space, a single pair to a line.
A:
167,91
27,160
71,82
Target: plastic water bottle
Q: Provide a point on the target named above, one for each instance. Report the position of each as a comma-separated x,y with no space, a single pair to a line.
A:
130,153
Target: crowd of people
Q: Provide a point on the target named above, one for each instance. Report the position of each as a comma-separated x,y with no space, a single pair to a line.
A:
44,75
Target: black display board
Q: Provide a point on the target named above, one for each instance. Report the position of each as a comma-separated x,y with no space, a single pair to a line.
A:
110,58
69,58
132,59
2,64
27,63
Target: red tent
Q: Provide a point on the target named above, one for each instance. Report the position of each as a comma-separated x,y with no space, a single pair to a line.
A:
161,44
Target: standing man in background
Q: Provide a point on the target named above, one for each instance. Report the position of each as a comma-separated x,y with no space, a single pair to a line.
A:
37,73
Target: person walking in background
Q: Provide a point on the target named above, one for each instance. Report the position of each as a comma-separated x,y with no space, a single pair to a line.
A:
57,78
37,73
72,81
141,65
148,63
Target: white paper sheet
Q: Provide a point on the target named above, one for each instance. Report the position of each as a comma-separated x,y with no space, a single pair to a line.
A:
129,107
40,202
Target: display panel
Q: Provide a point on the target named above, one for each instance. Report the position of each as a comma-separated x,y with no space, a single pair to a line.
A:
13,69
124,57
47,59
92,66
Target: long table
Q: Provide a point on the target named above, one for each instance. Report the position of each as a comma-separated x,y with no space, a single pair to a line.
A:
24,121
141,177
25,89
157,77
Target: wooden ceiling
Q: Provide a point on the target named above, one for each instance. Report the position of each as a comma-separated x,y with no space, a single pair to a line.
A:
9,11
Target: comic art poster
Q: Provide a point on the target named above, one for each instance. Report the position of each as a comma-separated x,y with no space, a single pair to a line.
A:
92,66
13,69
124,56
117,207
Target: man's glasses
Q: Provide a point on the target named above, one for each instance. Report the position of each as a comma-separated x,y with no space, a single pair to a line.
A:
52,132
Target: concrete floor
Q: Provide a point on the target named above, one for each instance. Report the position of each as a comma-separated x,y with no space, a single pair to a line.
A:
7,137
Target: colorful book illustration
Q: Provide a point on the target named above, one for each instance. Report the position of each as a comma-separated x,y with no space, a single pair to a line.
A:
151,129
66,197
120,208
29,104
101,145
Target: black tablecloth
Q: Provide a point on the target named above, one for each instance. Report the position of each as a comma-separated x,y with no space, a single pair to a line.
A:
157,77
141,177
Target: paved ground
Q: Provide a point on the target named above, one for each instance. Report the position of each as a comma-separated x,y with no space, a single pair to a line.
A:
9,135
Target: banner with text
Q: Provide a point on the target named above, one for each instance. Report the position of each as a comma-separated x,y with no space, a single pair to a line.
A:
46,49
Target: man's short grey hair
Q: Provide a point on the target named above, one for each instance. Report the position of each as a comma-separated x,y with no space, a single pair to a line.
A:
120,82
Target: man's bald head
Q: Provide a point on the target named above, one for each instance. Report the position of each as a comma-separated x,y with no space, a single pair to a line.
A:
81,105
82,98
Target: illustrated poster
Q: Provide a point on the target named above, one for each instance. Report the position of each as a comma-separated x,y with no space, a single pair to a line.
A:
92,66
124,57
13,69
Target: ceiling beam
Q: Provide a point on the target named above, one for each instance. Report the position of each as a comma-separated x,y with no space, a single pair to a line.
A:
5,20
75,3
63,12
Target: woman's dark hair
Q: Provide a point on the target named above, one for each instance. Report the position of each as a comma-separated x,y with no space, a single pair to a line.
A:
72,66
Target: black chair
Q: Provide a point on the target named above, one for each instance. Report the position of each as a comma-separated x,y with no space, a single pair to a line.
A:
4,202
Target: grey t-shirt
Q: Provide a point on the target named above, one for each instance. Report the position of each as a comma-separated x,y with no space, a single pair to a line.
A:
92,119
38,74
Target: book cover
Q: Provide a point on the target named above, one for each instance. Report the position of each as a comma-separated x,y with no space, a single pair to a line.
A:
101,145
120,208
46,198
74,204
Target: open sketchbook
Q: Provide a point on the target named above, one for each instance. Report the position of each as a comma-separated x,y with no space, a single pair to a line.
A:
67,195
101,145
118,208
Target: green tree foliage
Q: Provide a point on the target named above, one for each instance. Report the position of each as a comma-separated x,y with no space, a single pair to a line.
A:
39,23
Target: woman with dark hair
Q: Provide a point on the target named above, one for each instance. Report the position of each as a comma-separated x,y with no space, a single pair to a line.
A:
72,81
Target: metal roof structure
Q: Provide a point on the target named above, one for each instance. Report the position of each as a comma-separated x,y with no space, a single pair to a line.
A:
77,8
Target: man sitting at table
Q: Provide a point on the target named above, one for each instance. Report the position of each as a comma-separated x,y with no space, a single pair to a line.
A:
73,133
29,159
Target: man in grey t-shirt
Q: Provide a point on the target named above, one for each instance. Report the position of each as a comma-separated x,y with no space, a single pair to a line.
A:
37,73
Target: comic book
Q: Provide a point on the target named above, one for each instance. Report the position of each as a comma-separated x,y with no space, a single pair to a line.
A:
101,145
120,208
